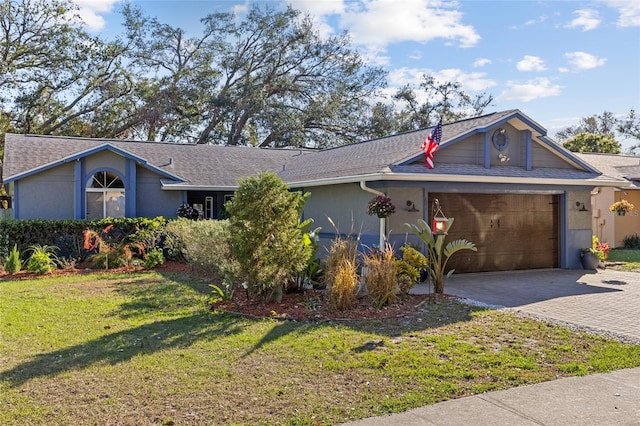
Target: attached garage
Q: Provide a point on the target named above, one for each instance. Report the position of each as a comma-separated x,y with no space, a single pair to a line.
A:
511,231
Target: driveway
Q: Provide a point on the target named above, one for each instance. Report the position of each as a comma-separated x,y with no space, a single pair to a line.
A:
605,302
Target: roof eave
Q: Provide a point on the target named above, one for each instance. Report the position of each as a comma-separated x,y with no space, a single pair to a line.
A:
458,179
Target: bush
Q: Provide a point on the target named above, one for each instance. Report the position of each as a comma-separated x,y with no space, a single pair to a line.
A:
408,268
13,264
203,244
266,234
67,235
43,259
631,241
153,259
381,277
341,276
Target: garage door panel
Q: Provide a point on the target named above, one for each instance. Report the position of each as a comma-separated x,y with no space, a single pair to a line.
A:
511,231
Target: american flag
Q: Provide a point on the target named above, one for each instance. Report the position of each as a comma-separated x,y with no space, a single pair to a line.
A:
431,144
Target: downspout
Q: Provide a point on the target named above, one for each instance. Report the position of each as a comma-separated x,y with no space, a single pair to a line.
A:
364,187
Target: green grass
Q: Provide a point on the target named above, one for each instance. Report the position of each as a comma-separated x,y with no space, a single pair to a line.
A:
631,259
144,349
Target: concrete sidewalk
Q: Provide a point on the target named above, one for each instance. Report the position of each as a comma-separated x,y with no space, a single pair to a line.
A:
605,302
599,399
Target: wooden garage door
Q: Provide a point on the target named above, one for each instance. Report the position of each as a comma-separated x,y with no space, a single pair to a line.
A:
511,231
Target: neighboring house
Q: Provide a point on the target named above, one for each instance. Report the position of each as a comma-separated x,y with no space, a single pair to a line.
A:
608,226
512,191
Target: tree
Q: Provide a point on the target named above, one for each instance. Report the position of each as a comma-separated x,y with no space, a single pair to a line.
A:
55,78
444,100
591,142
35,37
604,124
266,236
630,127
269,80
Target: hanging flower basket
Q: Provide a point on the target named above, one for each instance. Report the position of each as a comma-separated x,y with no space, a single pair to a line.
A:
621,207
381,206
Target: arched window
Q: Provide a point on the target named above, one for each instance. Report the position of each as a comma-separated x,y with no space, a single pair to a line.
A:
105,196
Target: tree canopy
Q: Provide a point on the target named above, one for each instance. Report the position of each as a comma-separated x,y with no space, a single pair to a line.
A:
265,79
592,142
601,133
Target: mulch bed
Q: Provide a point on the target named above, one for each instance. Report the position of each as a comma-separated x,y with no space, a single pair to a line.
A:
313,305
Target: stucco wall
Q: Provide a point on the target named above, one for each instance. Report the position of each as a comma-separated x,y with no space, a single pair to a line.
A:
47,195
608,226
628,224
346,205
578,229
104,160
151,200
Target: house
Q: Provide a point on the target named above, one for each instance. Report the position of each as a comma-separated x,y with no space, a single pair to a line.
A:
512,191
608,226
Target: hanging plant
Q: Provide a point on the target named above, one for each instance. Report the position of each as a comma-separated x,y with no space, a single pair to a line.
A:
621,207
381,206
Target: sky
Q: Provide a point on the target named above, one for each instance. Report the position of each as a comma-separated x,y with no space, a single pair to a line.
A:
556,61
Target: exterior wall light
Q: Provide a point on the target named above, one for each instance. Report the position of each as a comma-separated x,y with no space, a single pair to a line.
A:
412,206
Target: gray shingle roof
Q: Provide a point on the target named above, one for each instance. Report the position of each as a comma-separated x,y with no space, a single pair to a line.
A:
212,166
622,167
203,165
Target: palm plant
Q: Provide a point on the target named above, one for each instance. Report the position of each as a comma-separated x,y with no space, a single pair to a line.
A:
438,253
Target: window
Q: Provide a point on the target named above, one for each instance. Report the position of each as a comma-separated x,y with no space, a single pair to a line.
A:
105,196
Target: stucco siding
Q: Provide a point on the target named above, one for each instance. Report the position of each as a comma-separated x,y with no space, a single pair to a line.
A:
578,226
151,200
47,195
346,205
104,160
628,224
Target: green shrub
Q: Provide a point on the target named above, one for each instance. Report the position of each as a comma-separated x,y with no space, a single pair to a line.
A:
266,234
153,259
408,268
67,235
631,241
13,264
203,244
42,259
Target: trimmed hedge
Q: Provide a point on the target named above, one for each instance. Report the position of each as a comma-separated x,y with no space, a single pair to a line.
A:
68,235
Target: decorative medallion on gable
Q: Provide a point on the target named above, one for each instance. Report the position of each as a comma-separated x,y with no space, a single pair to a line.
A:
500,139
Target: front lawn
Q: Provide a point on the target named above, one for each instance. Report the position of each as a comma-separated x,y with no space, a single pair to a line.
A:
629,257
144,349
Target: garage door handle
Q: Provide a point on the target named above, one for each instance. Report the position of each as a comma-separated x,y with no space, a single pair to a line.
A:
497,224
491,224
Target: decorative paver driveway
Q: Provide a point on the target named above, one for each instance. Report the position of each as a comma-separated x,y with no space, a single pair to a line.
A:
606,301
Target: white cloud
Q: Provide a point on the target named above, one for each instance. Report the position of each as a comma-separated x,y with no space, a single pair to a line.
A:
584,61
319,11
530,90
481,62
378,23
531,63
629,12
587,19
90,12
473,81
